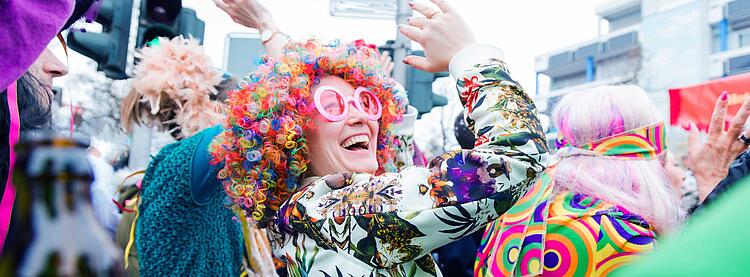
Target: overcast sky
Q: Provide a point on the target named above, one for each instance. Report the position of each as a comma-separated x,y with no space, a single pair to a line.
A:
523,29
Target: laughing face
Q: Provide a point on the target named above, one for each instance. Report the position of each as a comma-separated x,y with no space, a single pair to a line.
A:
342,146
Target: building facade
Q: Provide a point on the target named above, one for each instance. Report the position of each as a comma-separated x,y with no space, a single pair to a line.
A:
656,44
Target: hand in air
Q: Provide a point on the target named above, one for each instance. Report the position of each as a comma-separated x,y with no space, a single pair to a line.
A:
710,161
442,33
248,13
386,62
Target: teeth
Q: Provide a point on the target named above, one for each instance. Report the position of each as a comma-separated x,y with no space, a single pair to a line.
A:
354,140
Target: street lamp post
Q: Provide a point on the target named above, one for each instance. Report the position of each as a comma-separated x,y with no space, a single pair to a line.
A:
403,44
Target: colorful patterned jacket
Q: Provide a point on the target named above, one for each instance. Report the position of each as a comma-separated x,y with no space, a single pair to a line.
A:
555,232
387,225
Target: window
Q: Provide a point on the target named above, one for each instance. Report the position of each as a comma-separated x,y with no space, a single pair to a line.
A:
744,37
715,38
625,21
624,18
567,81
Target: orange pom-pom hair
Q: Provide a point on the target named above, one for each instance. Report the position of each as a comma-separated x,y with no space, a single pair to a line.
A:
174,87
263,146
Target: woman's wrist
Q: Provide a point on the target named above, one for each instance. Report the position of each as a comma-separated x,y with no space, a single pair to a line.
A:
273,40
472,54
267,31
268,26
706,182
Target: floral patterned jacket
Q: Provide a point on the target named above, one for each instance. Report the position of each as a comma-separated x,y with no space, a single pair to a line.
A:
387,225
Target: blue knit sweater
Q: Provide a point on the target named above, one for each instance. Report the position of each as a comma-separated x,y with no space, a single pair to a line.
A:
178,232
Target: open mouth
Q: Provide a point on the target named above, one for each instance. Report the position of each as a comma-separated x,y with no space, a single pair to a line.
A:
357,143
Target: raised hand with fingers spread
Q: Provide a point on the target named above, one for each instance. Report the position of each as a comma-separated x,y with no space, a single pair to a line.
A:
251,14
710,161
441,33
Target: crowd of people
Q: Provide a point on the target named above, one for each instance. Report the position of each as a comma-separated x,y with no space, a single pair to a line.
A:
307,166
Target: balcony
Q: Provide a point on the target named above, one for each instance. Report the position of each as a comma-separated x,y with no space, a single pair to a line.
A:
618,50
378,9
620,14
738,14
545,102
614,8
732,62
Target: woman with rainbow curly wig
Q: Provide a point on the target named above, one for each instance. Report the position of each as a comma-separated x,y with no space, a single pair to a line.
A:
311,143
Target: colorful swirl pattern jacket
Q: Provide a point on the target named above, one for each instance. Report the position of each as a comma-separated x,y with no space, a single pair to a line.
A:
555,232
581,236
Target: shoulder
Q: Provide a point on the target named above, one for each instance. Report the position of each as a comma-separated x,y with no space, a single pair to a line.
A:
202,138
603,236
597,219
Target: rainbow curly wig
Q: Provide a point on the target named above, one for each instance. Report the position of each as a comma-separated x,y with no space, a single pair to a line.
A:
263,146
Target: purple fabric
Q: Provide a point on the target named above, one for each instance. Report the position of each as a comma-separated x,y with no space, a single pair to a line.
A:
84,9
26,28
93,11
419,159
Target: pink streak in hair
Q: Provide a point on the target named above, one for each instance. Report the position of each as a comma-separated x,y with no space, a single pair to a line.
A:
565,131
617,125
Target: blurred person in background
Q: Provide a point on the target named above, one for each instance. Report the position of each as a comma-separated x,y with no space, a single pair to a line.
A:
177,89
184,107
434,131
27,70
608,191
713,242
180,188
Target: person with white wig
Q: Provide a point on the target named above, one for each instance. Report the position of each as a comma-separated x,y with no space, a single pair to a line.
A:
607,197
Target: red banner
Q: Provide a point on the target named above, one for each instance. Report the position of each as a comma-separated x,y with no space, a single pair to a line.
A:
696,103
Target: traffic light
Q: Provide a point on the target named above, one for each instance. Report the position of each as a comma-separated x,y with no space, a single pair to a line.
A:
419,84
419,88
189,24
110,47
158,18
167,18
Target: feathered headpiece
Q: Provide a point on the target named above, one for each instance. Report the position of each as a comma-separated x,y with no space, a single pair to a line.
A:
172,87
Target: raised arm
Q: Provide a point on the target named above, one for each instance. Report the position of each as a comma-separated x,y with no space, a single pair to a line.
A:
395,218
710,161
251,14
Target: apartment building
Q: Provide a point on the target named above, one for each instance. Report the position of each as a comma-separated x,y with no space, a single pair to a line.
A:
656,44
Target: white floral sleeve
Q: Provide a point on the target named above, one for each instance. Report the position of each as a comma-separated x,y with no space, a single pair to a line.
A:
391,222
404,139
